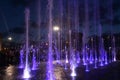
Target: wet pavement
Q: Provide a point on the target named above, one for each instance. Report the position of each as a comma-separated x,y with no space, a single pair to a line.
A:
108,72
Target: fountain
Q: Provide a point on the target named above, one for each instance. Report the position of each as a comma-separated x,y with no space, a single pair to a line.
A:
50,75
78,57
96,60
21,58
114,51
66,56
26,73
73,64
106,58
34,64
93,55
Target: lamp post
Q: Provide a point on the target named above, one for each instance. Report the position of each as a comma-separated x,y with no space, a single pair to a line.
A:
57,29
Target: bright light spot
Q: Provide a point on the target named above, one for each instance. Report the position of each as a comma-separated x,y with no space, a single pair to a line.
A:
91,62
95,66
56,28
21,66
73,71
110,48
66,61
114,59
87,70
106,62
9,38
26,73
78,61
101,64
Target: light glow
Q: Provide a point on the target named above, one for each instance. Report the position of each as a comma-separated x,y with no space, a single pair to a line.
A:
56,28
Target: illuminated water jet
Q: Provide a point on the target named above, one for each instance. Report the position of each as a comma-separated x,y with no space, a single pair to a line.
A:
26,73
21,59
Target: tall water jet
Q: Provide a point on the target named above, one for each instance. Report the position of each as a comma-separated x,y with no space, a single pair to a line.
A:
84,56
72,57
87,65
39,25
106,58
73,64
78,57
73,67
59,47
76,23
85,33
101,40
50,75
114,51
66,56
87,68
57,54
96,60
95,13
91,57
92,50
110,15
57,43
21,58
61,25
101,52
101,46
34,64
26,73
110,53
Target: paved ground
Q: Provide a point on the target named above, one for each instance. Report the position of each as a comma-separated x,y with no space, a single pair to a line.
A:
109,72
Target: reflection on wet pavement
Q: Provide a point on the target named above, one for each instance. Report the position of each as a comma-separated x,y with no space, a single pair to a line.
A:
110,72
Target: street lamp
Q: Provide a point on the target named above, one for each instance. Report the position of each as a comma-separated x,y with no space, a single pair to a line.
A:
10,38
56,28
57,40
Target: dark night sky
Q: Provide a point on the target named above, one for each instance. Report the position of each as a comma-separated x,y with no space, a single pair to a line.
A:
12,15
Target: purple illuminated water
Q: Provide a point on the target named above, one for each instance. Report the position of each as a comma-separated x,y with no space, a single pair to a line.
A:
114,50
70,57
73,67
57,54
91,59
59,47
66,57
84,56
34,64
87,68
26,73
21,58
101,46
39,29
106,58
73,64
50,75
85,34
78,57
